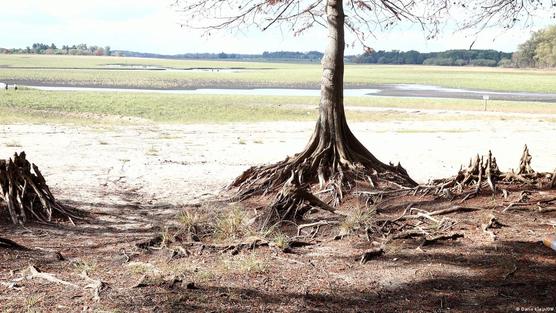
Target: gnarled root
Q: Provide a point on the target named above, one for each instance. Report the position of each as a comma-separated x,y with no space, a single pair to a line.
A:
331,166
292,202
24,193
479,172
334,165
484,171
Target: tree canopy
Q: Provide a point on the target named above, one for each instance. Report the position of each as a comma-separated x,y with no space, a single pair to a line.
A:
539,50
364,17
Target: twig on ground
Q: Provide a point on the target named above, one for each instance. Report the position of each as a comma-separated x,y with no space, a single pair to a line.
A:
315,224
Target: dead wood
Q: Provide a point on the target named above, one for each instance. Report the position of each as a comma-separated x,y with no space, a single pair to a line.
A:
316,225
24,194
433,239
553,181
423,213
35,273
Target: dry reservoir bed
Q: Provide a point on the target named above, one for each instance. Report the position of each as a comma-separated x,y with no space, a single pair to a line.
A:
140,163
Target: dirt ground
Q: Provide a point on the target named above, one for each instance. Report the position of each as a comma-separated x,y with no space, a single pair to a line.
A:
135,180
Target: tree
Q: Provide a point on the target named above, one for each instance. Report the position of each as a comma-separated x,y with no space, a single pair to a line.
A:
334,159
539,50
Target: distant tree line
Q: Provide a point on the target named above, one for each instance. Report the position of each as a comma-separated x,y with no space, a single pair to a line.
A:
446,58
538,51
41,48
278,55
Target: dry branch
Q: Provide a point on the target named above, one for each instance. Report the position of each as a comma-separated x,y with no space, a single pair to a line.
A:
426,214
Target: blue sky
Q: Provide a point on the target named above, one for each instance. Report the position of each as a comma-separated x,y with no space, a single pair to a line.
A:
152,26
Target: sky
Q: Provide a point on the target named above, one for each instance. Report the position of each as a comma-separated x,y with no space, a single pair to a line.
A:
153,26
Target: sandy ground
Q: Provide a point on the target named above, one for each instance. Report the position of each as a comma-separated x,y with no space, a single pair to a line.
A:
180,163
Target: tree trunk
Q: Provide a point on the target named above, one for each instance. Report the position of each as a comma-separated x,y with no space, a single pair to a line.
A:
334,159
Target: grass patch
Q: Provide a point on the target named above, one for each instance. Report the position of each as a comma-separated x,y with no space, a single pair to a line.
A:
281,241
89,108
357,219
231,224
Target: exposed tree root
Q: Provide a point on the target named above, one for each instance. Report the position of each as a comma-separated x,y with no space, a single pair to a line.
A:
25,195
483,172
525,163
333,164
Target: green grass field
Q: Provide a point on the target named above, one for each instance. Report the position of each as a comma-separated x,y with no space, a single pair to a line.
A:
259,75
27,105
89,108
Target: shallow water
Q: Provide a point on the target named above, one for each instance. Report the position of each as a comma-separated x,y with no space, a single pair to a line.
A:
391,91
211,91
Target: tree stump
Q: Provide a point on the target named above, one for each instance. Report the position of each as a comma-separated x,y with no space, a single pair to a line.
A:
24,194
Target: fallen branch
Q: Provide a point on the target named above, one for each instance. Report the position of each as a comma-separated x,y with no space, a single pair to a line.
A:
315,224
438,212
